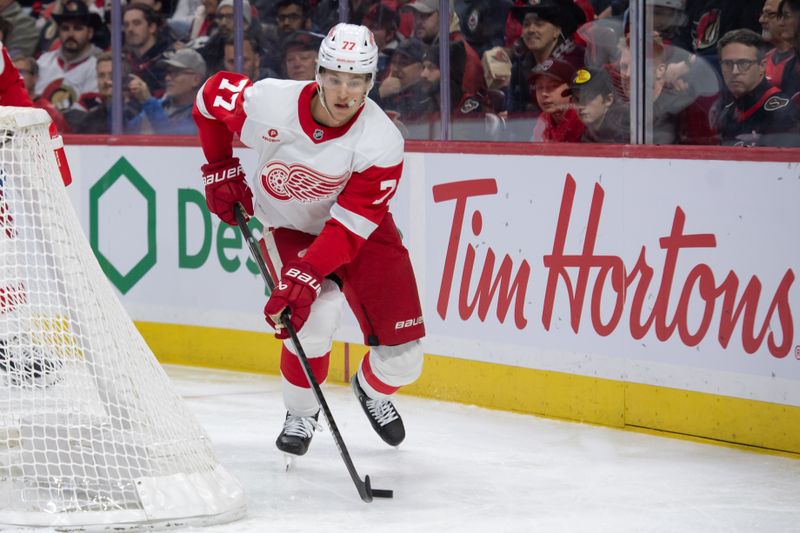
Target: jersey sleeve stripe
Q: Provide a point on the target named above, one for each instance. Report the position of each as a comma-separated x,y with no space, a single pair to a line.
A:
361,226
201,104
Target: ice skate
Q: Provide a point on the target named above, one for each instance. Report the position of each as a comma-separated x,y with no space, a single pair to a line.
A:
382,415
296,436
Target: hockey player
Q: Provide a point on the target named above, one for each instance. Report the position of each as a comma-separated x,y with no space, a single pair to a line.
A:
329,162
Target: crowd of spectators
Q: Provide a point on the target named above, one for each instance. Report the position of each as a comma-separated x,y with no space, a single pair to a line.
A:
722,71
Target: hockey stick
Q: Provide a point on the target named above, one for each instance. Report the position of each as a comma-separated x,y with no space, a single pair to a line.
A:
364,488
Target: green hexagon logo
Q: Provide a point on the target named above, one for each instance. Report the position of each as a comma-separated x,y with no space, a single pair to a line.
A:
123,169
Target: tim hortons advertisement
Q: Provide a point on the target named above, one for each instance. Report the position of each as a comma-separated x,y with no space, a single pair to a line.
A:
667,272
662,272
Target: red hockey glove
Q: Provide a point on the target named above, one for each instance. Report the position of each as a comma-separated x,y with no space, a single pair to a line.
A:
225,186
298,288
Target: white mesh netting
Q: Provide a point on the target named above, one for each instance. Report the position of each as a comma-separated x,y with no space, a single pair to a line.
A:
91,431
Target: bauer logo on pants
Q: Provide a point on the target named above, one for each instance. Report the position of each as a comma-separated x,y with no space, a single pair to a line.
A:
408,323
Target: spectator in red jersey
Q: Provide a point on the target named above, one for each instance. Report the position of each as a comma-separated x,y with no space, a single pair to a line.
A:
760,114
773,31
559,121
29,71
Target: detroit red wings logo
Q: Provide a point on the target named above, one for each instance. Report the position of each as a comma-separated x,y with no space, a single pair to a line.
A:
297,182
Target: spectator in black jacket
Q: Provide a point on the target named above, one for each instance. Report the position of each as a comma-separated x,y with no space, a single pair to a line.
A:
759,114
145,45
607,119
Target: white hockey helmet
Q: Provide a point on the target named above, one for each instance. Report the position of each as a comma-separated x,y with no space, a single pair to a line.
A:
349,48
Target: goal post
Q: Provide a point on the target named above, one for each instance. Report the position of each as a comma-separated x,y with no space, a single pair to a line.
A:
93,436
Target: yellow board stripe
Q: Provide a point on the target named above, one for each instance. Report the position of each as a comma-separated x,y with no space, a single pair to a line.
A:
721,419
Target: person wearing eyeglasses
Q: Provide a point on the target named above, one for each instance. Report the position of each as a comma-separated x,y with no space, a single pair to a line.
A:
185,72
772,31
759,113
789,25
292,16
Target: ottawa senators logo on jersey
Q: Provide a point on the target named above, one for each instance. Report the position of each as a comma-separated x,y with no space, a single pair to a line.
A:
297,182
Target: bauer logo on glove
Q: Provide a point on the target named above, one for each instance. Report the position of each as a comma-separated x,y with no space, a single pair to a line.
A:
304,278
296,291
222,175
225,187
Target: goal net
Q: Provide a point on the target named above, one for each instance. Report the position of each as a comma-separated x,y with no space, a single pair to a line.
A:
92,434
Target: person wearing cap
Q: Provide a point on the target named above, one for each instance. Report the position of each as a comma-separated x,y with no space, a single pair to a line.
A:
184,72
72,66
605,118
558,121
759,113
224,16
669,17
426,28
300,55
403,91
326,161
547,33
426,19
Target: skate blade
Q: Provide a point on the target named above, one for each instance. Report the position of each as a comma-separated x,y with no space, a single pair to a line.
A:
288,461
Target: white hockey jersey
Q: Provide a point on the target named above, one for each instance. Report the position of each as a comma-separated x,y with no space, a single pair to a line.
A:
79,77
309,176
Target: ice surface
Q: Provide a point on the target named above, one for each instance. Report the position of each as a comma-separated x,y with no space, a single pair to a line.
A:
464,468
467,469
